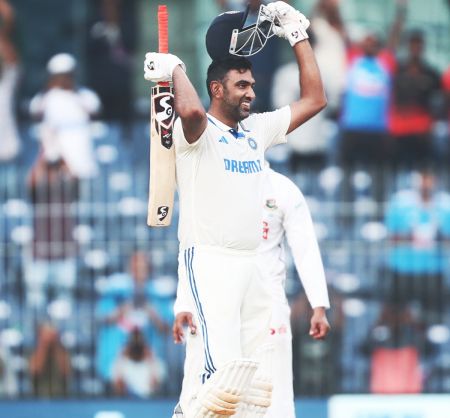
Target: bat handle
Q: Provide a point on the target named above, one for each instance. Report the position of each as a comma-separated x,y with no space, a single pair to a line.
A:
163,29
163,33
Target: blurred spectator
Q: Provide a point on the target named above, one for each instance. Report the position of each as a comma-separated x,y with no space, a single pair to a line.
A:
8,380
365,105
137,371
65,111
50,269
137,310
226,5
110,45
446,85
330,50
418,223
415,85
9,72
310,142
396,345
50,368
125,305
446,115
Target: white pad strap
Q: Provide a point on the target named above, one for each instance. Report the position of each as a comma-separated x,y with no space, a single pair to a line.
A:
221,395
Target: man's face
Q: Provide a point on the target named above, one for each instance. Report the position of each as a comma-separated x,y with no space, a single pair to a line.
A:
371,45
64,81
139,267
238,94
416,47
427,183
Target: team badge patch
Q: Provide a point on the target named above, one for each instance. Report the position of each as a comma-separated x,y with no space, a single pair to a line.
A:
252,143
271,204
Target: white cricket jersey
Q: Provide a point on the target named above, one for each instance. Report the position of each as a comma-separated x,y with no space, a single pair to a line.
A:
220,180
286,215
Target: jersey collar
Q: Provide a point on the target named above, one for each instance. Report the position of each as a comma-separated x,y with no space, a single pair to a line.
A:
223,127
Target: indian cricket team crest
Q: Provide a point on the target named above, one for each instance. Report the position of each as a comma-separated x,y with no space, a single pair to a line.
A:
271,204
252,143
164,115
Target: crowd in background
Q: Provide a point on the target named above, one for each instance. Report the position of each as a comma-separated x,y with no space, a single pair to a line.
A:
378,154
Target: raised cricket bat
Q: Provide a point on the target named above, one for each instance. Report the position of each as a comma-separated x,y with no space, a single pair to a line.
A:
162,150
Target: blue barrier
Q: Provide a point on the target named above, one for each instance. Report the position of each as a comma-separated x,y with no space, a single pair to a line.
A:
340,406
113,408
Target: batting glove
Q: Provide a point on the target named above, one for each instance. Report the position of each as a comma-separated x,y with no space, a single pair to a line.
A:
159,67
290,24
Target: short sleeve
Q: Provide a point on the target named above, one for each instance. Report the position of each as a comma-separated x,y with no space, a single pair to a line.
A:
90,100
37,105
392,218
270,127
181,144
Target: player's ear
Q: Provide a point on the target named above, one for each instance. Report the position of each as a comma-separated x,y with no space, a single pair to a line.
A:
216,89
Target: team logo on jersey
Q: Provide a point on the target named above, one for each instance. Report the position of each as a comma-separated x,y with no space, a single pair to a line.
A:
265,230
252,143
271,204
223,140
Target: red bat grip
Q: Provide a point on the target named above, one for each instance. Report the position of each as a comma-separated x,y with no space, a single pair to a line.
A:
163,29
163,33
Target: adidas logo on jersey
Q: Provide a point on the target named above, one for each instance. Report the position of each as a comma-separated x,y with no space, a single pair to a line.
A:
223,140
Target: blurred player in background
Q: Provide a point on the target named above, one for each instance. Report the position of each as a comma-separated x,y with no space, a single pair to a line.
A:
219,163
285,215
65,111
9,74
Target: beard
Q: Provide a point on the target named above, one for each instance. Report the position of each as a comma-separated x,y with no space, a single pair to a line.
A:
233,108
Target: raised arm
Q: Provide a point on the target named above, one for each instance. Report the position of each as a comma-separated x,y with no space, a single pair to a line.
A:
7,50
7,17
397,26
292,25
188,106
167,67
312,94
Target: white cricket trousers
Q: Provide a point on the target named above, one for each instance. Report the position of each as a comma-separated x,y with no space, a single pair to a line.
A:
282,376
232,310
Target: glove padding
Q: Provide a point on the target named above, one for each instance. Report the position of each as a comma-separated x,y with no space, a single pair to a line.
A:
159,67
290,24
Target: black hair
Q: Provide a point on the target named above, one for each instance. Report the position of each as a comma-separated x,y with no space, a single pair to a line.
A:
218,69
416,35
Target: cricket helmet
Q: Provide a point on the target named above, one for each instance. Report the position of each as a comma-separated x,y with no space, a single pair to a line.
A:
227,35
